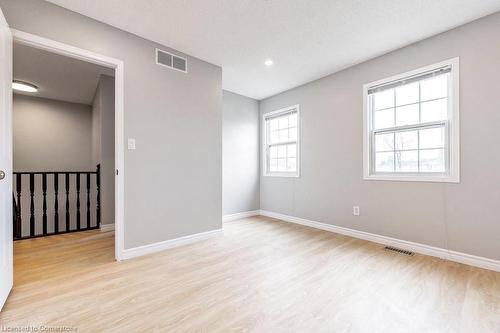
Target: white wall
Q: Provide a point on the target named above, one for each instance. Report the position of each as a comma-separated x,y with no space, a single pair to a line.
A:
51,135
240,147
103,144
461,217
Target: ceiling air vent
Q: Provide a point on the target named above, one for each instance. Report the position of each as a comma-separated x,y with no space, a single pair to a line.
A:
170,60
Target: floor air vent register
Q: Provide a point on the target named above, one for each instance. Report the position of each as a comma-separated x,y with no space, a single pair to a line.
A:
395,249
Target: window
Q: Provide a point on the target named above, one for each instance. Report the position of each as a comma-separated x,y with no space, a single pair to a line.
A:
281,140
411,126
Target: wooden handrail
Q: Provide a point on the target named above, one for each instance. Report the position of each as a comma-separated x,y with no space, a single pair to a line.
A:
51,172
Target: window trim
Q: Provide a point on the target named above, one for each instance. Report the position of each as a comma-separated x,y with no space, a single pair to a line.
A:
452,126
265,156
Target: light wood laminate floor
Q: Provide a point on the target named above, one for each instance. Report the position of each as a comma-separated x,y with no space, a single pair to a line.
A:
263,275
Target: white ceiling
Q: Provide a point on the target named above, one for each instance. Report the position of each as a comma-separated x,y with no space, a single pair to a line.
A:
307,39
57,77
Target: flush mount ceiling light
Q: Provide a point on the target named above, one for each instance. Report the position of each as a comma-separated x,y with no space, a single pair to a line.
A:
268,62
24,86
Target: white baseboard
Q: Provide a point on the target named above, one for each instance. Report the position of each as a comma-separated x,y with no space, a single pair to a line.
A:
107,227
4,293
237,216
459,257
168,244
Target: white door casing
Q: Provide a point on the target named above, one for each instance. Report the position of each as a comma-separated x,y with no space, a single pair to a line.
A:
56,47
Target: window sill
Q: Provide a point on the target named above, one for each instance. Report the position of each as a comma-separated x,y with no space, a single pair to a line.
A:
282,175
416,178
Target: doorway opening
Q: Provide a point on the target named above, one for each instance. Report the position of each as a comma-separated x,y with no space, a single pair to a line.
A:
96,194
63,161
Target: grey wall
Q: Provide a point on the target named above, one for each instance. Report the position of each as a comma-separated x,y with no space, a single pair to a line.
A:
240,146
173,181
96,127
462,217
103,143
51,135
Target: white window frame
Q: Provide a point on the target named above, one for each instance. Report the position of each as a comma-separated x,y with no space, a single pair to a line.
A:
452,127
265,146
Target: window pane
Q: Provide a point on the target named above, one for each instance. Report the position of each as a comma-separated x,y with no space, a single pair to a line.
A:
407,161
291,164
281,164
273,164
384,119
434,110
274,137
292,134
384,142
273,152
273,124
407,94
384,162
281,151
282,155
292,120
409,125
407,140
407,115
383,99
283,122
283,135
432,160
432,138
435,87
292,150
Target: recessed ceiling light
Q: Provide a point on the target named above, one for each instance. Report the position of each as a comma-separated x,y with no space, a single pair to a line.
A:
268,62
24,86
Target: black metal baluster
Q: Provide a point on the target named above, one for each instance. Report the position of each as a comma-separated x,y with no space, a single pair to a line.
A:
56,203
78,226
18,229
67,201
32,205
88,200
14,216
98,207
44,193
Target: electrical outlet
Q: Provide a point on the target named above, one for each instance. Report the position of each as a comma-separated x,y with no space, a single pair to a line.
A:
355,210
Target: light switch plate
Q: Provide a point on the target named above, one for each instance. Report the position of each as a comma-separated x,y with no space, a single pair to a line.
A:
131,144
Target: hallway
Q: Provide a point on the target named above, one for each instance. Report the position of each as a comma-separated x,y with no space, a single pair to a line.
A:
43,259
